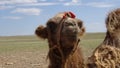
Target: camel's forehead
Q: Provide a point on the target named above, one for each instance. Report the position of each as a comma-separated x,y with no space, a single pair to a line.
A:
70,20
59,19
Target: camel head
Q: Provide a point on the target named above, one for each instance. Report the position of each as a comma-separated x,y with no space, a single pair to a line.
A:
62,29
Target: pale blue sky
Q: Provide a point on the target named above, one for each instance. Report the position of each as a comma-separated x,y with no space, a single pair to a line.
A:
22,17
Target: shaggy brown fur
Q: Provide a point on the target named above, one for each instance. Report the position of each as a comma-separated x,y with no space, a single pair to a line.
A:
107,55
63,32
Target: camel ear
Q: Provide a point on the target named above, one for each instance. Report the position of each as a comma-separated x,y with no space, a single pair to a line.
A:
81,27
82,32
52,25
41,32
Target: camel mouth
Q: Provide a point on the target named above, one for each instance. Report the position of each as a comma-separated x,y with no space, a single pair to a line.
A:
71,35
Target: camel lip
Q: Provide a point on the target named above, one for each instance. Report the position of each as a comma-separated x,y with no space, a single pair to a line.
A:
71,34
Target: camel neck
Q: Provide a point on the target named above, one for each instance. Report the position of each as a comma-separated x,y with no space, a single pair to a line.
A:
112,39
60,57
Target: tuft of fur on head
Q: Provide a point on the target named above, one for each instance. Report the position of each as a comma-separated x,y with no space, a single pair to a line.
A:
113,20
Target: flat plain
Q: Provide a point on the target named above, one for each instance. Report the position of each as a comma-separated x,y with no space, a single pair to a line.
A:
31,51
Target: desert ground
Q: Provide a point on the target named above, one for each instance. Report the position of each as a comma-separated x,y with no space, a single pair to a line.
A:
31,51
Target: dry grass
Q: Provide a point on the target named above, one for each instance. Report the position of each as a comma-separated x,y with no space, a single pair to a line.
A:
30,51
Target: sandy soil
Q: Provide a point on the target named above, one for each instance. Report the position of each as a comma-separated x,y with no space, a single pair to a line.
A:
26,59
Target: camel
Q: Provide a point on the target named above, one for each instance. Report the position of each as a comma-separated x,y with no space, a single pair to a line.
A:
107,54
63,32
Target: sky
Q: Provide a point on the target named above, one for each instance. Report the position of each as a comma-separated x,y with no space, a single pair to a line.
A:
22,17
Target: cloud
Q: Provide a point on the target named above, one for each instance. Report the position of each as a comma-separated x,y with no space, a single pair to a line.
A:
61,0
45,3
6,7
43,0
90,4
39,4
27,2
73,2
99,4
17,1
11,17
27,11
